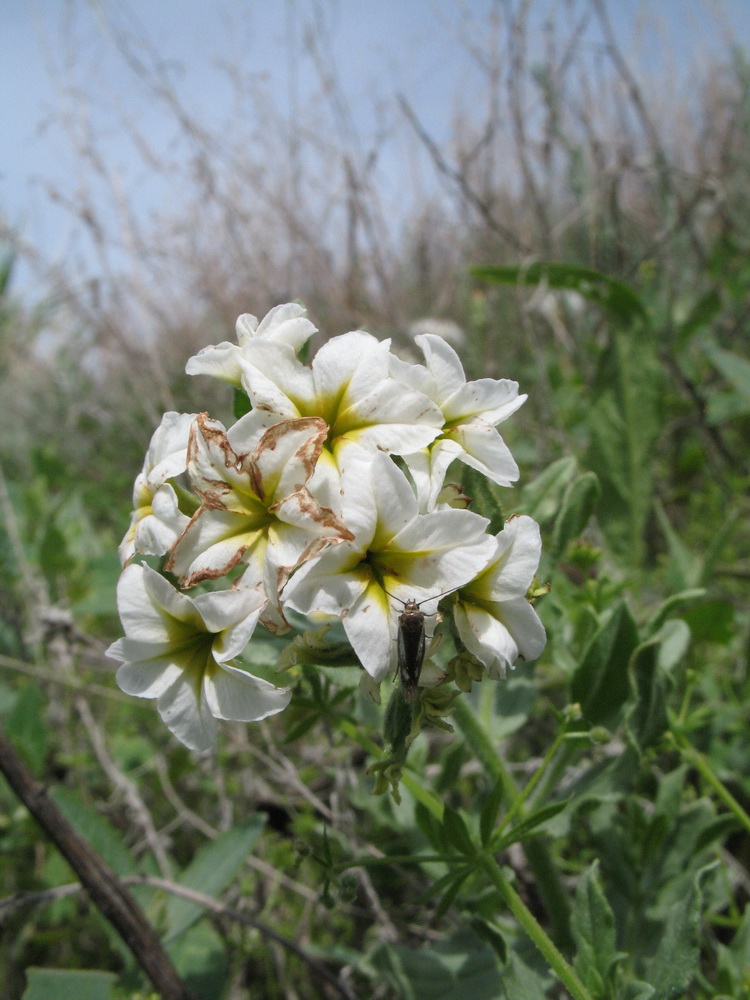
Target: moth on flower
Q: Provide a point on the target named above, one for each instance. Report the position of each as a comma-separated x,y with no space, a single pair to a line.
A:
301,504
396,552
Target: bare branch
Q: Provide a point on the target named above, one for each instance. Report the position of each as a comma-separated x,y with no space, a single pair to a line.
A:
114,901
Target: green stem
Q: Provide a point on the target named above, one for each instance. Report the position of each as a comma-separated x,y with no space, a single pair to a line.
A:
546,876
564,972
531,784
699,762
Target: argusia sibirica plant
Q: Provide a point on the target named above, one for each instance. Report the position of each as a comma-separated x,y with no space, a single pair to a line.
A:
323,514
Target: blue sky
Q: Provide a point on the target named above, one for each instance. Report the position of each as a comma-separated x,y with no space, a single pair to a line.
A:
378,47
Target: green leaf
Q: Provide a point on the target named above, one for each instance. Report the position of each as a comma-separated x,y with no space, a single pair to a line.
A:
241,404
702,313
457,832
636,990
542,496
676,961
600,682
734,402
673,605
613,296
711,621
64,984
462,965
593,926
454,887
733,969
98,831
524,829
578,505
210,872
734,368
200,957
625,420
488,815
491,933
646,719
26,728
684,569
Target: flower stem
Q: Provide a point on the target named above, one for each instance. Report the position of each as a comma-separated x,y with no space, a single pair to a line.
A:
564,972
702,766
546,875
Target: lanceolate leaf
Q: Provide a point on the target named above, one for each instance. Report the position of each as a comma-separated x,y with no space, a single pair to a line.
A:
593,926
527,826
578,505
625,424
211,871
600,683
68,984
615,297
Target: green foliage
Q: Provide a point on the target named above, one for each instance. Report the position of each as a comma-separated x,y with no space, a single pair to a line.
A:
607,784
210,871
63,984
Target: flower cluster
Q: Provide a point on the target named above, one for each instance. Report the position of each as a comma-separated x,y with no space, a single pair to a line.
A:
328,500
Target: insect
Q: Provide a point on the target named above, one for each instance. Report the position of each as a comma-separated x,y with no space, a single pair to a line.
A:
411,643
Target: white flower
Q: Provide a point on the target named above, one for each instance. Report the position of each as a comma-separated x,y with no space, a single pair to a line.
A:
349,386
157,521
396,551
256,509
494,619
284,324
470,412
179,651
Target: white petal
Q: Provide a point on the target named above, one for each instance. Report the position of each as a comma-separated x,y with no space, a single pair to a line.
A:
394,498
244,435
523,623
486,637
487,399
287,324
302,511
351,363
222,361
235,694
429,469
214,542
498,637
156,533
369,628
357,396
486,451
444,364
177,606
419,466
245,327
140,617
276,380
329,584
147,678
165,456
224,609
438,552
415,376
390,417
512,570
287,454
126,548
185,712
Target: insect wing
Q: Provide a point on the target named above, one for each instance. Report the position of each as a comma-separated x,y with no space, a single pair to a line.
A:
411,644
